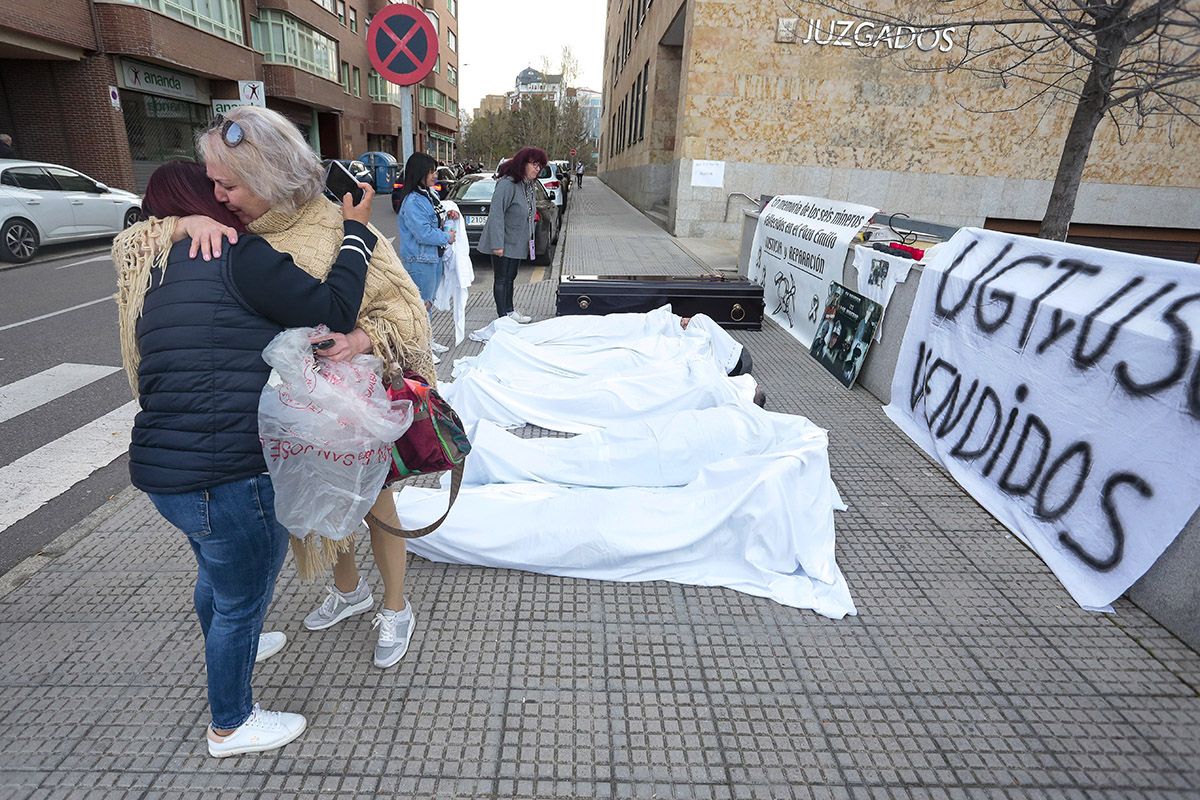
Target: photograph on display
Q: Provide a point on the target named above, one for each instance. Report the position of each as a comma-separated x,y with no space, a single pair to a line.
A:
845,332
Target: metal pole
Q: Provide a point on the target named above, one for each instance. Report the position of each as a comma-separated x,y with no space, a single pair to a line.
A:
406,122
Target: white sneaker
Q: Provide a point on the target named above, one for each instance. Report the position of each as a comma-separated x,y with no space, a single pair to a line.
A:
438,347
264,730
517,316
436,360
338,606
395,632
269,644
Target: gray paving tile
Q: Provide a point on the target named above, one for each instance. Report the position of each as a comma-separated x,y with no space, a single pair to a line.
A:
968,673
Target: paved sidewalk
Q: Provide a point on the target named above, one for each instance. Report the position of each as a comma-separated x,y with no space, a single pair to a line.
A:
969,672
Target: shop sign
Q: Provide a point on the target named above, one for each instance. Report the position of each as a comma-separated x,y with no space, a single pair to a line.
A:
861,33
163,108
140,77
223,106
253,93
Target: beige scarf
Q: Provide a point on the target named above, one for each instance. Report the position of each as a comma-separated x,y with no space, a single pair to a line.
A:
392,313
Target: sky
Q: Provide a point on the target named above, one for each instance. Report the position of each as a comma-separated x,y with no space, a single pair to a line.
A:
490,57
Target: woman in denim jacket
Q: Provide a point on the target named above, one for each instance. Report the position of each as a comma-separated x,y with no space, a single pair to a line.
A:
421,223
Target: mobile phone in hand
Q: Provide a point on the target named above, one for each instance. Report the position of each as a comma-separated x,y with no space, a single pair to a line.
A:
339,181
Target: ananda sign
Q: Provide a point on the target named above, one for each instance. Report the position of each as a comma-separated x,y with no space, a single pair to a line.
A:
860,33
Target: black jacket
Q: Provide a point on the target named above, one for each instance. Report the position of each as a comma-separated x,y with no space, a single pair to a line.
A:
201,336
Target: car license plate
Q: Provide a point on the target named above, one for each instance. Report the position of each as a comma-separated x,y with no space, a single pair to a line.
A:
473,221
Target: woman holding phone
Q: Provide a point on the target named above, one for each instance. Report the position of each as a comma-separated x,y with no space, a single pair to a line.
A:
265,173
192,330
508,234
422,227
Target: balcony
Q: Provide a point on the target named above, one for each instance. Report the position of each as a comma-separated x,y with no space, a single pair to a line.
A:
136,31
436,118
304,87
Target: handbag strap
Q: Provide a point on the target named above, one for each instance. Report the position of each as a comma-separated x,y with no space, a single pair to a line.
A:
456,476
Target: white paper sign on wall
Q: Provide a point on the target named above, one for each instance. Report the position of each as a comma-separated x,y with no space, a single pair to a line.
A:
709,174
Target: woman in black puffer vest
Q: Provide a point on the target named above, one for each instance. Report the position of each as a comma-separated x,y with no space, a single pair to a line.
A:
195,449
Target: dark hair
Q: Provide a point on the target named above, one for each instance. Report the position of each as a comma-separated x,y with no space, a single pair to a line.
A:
418,166
515,167
182,188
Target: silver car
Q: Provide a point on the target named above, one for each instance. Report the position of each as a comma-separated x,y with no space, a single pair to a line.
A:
47,204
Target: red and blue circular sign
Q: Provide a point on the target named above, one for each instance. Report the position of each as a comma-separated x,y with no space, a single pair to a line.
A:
402,44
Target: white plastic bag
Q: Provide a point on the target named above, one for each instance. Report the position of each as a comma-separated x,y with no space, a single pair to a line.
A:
326,429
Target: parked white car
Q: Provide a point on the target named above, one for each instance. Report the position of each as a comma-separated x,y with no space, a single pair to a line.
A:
47,204
553,177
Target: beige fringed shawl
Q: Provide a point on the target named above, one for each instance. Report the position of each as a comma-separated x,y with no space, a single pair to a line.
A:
392,313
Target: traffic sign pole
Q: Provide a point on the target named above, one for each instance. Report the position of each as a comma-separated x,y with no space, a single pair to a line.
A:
403,46
407,109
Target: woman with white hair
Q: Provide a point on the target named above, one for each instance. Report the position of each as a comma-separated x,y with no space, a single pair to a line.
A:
266,174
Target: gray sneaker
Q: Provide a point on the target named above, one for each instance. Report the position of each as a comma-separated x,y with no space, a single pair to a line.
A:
338,606
395,632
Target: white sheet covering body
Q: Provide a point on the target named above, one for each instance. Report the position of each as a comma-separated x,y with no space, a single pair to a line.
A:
758,524
585,334
457,276
667,450
507,354
581,404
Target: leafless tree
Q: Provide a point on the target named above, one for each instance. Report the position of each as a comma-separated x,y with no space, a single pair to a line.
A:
1135,62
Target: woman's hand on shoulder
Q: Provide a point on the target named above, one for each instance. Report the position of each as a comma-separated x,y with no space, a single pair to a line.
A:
360,213
206,234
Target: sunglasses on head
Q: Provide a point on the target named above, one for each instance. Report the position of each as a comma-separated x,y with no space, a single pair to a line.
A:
232,133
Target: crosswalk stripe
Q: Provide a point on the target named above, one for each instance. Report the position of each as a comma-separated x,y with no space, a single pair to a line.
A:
48,385
53,313
36,478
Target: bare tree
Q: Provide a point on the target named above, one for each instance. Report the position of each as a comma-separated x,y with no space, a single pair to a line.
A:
1135,62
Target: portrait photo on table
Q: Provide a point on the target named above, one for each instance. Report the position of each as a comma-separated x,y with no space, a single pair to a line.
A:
845,333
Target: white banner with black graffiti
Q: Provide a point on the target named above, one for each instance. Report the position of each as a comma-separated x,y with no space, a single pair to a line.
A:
1060,385
799,249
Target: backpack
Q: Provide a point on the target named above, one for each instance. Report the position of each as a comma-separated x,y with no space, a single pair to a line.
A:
436,442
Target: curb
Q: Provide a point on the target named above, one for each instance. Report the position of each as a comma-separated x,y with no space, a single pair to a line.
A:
61,544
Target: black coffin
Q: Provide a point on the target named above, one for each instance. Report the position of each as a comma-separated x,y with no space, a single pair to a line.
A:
731,303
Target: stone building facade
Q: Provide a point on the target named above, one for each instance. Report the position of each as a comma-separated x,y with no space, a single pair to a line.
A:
787,112
172,65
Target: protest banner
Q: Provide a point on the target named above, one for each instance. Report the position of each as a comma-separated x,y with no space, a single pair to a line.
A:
800,248
1060,386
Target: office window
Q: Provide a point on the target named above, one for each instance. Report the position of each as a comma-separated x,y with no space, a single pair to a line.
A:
452,41
433,17
341,12
328,5
283,39
357,82
437,64
645,95
220,17
453,6
382,91
345,75
452,75
451,106
353,19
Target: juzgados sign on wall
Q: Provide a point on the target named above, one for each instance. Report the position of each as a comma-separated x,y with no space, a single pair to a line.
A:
860,33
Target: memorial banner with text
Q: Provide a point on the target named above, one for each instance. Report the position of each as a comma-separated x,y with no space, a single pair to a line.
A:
799,249
1060,386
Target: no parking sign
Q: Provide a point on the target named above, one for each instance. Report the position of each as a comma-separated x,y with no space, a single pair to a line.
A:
402,44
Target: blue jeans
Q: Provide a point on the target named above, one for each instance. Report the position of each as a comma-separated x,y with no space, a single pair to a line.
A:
426,275
239,548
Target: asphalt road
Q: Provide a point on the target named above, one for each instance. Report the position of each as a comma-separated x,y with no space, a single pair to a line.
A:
71,286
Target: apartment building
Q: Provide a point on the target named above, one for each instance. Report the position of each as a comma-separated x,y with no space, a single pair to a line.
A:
116,87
